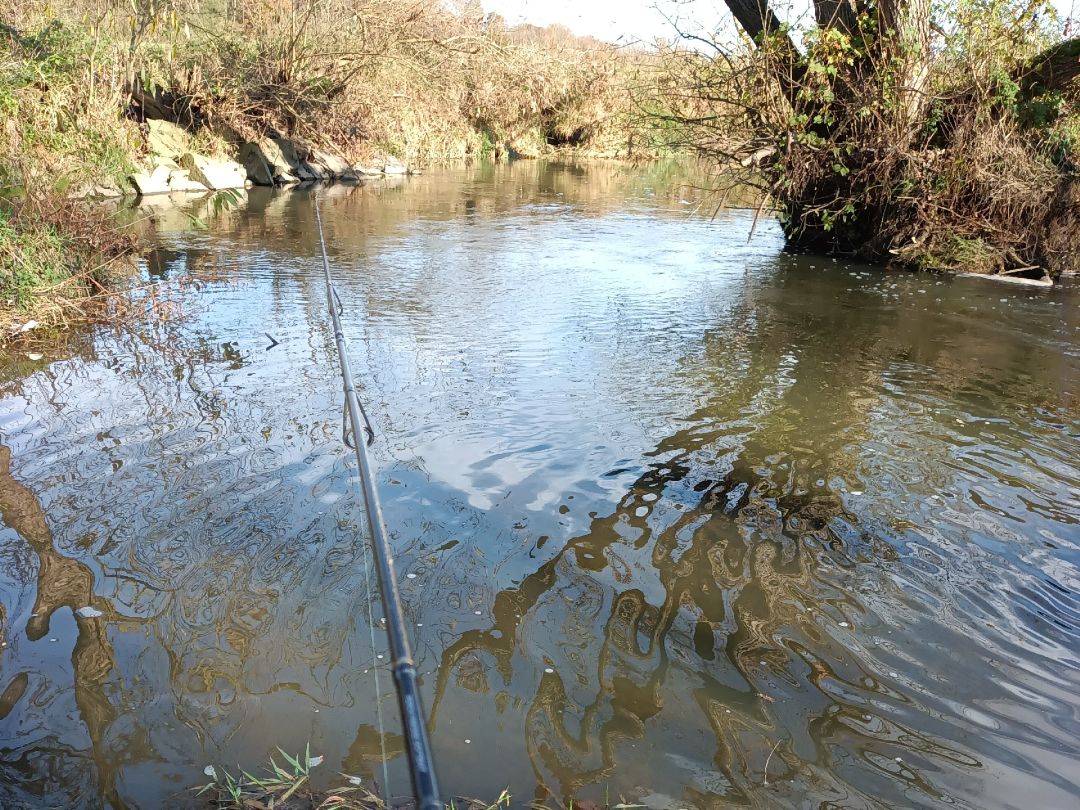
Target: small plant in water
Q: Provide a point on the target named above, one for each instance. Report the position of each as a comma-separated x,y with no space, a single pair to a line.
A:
284,787
479,804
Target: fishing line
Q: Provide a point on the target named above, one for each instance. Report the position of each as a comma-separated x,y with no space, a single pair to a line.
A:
417,743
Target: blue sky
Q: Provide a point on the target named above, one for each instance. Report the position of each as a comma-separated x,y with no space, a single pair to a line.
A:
642,19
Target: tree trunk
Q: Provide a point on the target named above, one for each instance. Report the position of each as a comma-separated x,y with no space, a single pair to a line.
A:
841,14
904,26
759,22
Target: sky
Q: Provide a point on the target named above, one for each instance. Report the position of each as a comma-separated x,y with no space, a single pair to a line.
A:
642,19
608,19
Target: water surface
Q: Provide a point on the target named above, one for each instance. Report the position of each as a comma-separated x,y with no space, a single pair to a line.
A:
679,517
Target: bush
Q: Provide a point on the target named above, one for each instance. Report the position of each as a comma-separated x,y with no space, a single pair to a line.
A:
955,154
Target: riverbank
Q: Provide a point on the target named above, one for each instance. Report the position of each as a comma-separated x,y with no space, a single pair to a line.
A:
944,139
101,101
61,262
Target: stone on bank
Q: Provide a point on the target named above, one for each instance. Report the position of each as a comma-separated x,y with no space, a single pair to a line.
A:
167,140
279,161
155,181
214,173
164,178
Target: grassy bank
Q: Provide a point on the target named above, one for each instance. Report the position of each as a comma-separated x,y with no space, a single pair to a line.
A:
363,80
60,262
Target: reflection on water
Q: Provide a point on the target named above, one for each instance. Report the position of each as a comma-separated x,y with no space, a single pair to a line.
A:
679,518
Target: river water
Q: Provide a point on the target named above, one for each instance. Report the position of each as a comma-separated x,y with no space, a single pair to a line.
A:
680,518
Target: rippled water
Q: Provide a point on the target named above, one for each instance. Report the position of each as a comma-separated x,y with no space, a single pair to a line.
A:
679,518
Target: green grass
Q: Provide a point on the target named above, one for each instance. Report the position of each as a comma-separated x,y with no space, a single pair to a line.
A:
63,130
29,261
281,783
60,261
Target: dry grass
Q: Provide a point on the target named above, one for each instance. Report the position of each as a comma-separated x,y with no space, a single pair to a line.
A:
286,786
421,79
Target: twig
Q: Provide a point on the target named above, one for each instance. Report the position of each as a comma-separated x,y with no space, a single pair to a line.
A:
757,216
296,785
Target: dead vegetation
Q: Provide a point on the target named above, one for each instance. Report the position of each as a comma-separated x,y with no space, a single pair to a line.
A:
286,785
416,80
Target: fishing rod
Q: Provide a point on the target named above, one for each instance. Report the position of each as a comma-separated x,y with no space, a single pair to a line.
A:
417,743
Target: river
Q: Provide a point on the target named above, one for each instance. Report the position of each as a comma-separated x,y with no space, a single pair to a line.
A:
680,518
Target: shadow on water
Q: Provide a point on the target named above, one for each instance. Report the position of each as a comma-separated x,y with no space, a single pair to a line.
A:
678,517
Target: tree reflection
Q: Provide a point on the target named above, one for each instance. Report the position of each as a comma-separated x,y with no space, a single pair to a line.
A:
736,522
65,582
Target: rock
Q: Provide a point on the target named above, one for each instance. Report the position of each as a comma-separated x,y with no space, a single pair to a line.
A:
166,139
214,173
256,165
367,171
153,182
394,166
280,167
267,163
288,151
104,190
334,165
303,148
286,162
293,160
282,161
179,181
306,172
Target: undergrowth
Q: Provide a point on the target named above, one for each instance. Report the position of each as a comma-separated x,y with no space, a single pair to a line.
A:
364,79
60,262
418,80
287,786
63,128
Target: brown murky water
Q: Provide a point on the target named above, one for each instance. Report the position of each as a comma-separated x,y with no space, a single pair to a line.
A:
679,518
